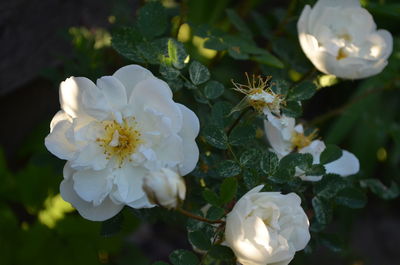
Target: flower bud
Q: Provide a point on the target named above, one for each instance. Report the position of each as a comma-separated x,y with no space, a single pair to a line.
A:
165,188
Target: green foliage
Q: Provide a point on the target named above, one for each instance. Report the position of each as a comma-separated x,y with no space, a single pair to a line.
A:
183,257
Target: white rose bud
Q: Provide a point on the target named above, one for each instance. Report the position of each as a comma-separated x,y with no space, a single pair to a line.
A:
340,38
165,188
267,228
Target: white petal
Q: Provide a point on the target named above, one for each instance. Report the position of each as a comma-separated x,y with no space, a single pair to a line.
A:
276,140
131,75
346,165
79,97
60,116
91,156
91,185
114,91
104,211
170,151
143,202
155,94
57,143
129,182
315,149
189,132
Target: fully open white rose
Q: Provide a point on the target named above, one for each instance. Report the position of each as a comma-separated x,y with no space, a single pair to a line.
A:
267,228
165,188
116,132
340,38
285,137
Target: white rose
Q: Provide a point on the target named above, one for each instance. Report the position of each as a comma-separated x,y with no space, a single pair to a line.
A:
165,188
285,137
340,38
116,132
267,228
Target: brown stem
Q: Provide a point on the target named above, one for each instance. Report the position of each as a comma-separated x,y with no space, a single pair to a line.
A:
202,219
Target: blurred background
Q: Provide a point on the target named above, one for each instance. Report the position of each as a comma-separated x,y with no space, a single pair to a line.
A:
44,42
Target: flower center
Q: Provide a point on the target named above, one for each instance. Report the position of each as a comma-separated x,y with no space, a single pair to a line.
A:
120,140
299,140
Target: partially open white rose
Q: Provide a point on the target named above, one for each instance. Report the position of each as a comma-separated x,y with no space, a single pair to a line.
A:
267,228
340,38
285,137
116,132
165,188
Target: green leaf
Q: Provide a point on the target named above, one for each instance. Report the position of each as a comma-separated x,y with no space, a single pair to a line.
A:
303,91
269,163
333,242
177,53
377,187
169,72
160,263
250,158
268,59
280,87
238,23
329,186
262,25
213,89
322,209
198,73
352,198
250,178
152,20
220,113
211,197
215,44
112,226
215,136
228,168
236,52
215,213
315,170
183,257
242,135
199,240
292,109
331,153
221,252
228,190
124,41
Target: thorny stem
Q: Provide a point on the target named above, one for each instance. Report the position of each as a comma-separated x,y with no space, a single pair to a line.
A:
202,219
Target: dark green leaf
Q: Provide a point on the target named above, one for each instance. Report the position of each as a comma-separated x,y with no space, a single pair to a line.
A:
251,158
303,91
183,257
292,109
169,72
220,112
242,135
199,240
237,53
215,136
211,197
213,89
198,73
352,198
280,87
228,190
215,44
377,187
322,210
333,242
152,20
329,186
238,23
269,163
268,59
177,53
228,168
221,252
215,213
331,153
250,178
315,170
125,40
160,263
262,25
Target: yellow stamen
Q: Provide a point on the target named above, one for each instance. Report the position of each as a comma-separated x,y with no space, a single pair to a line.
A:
120,140
341,54
299,140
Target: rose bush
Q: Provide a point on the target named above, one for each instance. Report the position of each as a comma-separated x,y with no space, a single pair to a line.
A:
115,133
267,228
340,38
